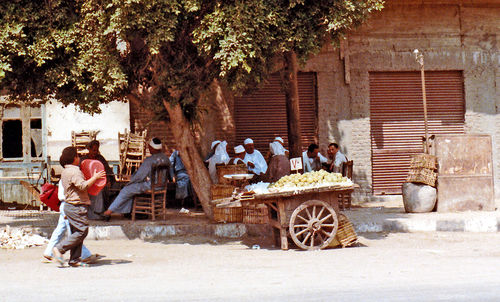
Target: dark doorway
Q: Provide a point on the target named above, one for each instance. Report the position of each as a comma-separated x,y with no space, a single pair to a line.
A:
12,144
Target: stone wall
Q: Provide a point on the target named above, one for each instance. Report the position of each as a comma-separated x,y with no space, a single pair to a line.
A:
453,35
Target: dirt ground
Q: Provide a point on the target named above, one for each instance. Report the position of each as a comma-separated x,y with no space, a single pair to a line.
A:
386,267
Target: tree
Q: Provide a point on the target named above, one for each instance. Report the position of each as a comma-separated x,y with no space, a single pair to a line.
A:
243,34
163,53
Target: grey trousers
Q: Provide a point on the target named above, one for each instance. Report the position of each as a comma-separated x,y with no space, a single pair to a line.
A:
79,225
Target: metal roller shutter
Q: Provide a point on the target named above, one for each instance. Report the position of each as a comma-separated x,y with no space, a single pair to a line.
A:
262,114
397,120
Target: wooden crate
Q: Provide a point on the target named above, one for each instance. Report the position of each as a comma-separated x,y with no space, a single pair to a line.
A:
228,214
255,214
219,191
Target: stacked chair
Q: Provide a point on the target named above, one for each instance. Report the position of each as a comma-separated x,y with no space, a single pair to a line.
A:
81,139
132,150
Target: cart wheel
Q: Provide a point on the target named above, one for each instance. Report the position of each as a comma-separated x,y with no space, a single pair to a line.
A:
313,225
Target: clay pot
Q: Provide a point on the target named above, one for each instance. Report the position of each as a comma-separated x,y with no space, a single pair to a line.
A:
418,198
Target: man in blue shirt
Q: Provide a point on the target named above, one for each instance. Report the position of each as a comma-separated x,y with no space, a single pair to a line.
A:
336,159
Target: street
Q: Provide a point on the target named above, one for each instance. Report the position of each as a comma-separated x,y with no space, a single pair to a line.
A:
386,267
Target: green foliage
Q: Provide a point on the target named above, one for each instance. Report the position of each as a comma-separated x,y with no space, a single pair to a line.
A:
244,37
90,52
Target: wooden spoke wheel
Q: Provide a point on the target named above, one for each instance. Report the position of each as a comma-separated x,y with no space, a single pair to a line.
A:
313,225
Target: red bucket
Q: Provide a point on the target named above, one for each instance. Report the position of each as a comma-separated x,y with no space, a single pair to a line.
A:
88,167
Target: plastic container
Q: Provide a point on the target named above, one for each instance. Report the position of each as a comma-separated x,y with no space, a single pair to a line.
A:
88,167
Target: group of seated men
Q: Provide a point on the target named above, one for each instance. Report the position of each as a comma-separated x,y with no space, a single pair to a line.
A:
269,168
275,164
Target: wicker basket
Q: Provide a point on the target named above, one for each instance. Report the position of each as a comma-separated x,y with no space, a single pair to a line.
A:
346,235
255,214
221,191
228,214
423,160
229,169
422,175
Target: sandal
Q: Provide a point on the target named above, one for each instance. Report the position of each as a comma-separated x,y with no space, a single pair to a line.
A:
58,256
79,264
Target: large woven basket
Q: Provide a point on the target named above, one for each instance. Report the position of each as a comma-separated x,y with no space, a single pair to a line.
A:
255,214
422,175
221,191
228,214
229,169
423,160
346,235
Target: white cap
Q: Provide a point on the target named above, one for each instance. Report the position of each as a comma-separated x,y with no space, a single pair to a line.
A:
248,141
239,149
157,145
279,139
214,143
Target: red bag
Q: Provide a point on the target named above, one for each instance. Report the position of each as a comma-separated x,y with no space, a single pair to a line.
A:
49,196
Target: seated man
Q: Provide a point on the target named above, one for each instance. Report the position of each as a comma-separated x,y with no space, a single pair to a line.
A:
140,181
220,156
279,165
182,181
336,159
254,159
99,202
239,157
312,160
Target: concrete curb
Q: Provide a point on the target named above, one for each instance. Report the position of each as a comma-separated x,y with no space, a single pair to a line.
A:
365,220
478,222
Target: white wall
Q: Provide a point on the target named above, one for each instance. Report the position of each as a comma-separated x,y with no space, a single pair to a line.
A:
61,120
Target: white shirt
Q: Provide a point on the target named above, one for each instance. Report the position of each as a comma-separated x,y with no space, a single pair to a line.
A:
258,160
310,164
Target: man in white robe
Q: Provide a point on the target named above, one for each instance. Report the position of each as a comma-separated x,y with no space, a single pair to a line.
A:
220,157
239,157
254,159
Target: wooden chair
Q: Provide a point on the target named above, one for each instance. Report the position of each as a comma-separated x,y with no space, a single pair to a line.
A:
79,140
345,199
154,202
347,169
132,150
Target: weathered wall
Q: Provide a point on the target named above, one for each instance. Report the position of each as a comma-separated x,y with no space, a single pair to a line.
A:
60,121
453,35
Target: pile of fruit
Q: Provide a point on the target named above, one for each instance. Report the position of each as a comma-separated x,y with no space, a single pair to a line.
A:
310,180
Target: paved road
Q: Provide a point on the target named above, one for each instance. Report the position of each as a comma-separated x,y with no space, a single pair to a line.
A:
393,267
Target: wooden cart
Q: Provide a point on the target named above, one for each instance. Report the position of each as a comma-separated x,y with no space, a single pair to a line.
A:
308,216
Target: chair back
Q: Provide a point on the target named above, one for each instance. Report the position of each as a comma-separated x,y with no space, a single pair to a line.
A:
79,140
132,148
347,169
160,176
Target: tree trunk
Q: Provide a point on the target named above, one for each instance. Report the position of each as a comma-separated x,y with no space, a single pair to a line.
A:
185,142
291,89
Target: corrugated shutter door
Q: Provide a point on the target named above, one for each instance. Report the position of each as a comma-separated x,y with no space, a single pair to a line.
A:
262,114
397,120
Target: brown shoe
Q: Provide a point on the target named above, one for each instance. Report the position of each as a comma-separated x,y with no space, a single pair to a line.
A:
90,259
